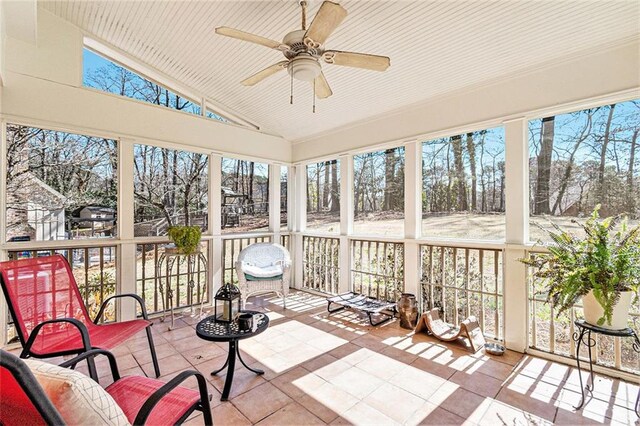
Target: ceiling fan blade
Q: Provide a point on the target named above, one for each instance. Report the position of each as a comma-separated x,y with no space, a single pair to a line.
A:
322,87
324,23
252,38
261,75
357,60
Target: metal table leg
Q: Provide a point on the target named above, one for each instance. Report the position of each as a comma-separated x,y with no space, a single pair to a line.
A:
257,371
230,365
580,338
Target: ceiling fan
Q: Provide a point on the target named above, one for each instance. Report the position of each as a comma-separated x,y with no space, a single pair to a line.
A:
304,48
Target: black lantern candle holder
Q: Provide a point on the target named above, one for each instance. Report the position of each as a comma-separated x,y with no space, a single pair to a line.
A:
229,296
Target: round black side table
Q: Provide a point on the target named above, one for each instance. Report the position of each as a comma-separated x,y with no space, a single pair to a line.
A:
583,335
218,331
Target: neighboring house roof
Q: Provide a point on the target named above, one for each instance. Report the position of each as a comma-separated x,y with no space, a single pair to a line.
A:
47,188
94,209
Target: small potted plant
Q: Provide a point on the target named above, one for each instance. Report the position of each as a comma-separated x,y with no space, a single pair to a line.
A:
603,269
185,238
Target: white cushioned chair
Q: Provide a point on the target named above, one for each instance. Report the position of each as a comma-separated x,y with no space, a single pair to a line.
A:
264,268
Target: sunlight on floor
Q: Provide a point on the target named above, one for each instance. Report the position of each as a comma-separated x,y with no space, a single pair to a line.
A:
366,387
283,346
492,412
440,353
300,302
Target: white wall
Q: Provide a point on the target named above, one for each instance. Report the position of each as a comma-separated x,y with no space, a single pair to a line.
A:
565,83
43,86
2,51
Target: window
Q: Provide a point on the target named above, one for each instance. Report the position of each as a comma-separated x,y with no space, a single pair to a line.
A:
463,186
582,159
102,74
284,187
170,188
55,181
323,197
245,196
378,197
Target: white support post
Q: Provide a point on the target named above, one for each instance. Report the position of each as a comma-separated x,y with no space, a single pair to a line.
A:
412,215
291,205
3,230
300,222
274,201
346,221
517,233
203,107
127,273
215,276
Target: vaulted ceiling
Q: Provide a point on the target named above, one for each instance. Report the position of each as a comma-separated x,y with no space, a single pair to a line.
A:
435,47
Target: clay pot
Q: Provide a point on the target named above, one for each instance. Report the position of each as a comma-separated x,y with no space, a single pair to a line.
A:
408,311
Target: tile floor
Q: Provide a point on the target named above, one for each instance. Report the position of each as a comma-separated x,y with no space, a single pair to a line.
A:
337,369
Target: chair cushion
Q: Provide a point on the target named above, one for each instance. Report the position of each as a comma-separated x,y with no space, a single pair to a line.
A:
78,399
65,337
131,392
270,271
252,278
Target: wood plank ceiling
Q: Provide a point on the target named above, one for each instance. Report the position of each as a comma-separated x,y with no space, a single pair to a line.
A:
435,47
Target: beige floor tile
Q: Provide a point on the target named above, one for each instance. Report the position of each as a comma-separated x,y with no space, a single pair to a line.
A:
227,415
293,414
478,383
261,401
364,414
462,402
329,396
440,416
243,381
410,376
394,402
381,366
357,382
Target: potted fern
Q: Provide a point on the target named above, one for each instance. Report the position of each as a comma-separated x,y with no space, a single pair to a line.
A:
185,238
603,269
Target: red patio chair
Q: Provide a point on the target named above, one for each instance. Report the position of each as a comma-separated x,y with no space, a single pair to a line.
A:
50,316
23,401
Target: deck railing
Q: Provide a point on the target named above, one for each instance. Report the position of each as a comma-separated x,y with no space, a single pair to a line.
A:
553,334
321,257
94,269
464,281
186,279
377,268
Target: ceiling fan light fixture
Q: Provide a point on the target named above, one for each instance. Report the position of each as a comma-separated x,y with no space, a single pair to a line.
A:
304,68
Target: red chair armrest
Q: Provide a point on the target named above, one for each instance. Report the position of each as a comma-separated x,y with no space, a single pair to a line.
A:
151,402
118,296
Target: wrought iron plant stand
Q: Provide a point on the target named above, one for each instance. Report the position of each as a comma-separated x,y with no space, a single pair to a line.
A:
583,336
171,258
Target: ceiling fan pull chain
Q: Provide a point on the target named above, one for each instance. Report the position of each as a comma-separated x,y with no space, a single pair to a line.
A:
314,96
291,100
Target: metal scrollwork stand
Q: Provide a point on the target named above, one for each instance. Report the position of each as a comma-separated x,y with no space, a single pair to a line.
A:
171,257
583,336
